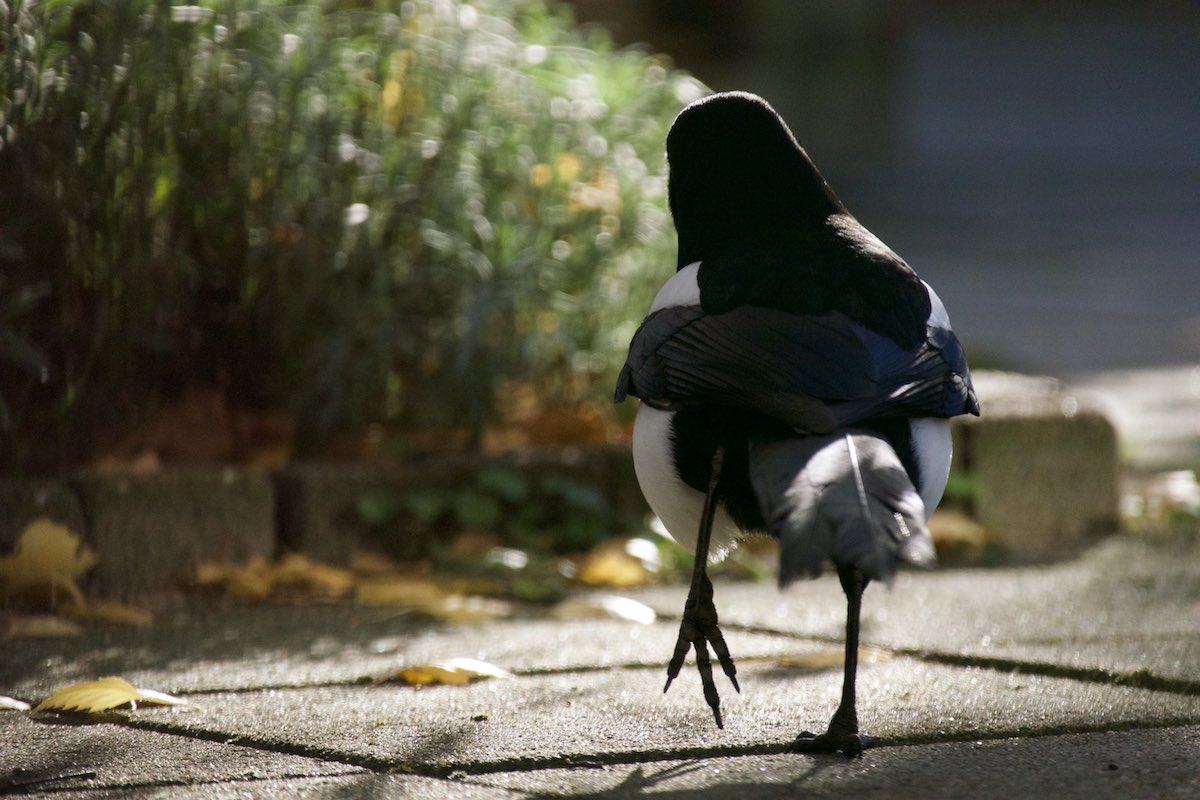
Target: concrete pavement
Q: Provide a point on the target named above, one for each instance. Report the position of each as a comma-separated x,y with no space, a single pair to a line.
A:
1074,679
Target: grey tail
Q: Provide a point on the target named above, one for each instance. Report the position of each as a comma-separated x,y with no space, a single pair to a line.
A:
844,498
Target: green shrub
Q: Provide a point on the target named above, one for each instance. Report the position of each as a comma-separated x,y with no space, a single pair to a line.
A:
543,513
359,215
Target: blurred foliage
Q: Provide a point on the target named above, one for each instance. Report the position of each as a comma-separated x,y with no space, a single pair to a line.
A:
545,513
962,491
359,212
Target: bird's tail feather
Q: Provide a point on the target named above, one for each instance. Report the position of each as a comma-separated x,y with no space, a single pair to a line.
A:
844,498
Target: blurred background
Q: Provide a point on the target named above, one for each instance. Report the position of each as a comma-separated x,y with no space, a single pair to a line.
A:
254,231
1040,166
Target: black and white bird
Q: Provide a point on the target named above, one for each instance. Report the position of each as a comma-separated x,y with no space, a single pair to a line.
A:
796,377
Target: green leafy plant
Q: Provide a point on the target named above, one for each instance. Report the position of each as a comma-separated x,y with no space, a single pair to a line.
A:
551,513
16,351
358,215
962,490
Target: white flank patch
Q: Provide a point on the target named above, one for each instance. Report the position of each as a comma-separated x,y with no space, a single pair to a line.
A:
677,505
681,290
933,447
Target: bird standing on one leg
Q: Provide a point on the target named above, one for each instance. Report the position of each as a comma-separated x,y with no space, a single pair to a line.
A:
796,377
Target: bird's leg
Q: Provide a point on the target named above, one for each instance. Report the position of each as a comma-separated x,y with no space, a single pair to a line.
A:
843,735
699,625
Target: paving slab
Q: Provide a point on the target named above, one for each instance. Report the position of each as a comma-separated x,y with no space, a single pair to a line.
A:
957,683
262,647
1128,764
368,785
101,755
550,720
1158,763
1126,606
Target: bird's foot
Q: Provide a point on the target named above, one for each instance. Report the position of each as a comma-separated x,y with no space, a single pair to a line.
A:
851,745
699,629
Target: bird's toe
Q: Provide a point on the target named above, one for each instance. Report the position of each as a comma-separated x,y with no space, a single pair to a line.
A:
851,745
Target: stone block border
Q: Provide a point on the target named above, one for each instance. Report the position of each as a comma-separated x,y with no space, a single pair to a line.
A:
1045,474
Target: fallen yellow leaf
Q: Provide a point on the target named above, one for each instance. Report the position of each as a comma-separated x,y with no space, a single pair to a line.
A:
249,585
611,564
455,672
294,574
12,704
829,658
40,626
250,581
108,611
398,591
47,554
151,697
368,562
105,694
467,608
211,573
604,606
426,596
312,576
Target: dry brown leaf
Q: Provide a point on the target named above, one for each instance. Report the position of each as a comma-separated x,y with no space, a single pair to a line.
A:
427,596
105,694
604,606
107,611
366,562
12,704
957,536
312,576
468,608
253,580
249,585
270,457
832,658
475,543
610,564
455,672
143,462
399,590
40,626
211,573
47,554
292,576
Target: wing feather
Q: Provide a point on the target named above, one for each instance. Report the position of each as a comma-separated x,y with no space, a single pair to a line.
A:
812,372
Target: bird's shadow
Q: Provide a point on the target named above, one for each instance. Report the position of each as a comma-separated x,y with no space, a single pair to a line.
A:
645,780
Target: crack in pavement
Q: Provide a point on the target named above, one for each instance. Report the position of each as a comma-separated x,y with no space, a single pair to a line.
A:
1129,679
383,765
452,770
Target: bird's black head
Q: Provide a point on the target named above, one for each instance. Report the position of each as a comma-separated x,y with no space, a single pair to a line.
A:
736,172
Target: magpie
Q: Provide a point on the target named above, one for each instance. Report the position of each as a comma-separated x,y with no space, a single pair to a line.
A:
796,378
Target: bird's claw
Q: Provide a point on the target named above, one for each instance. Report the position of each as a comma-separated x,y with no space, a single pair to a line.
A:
851,745
699,629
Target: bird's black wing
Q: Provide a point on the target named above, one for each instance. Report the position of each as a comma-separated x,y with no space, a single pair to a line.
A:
811,372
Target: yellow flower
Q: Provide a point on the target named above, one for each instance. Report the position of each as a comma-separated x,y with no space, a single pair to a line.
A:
567,166
539,175
602,193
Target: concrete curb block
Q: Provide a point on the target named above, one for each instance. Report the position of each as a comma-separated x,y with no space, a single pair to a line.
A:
1046,469
23,501
317,515
1046,466
151,531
